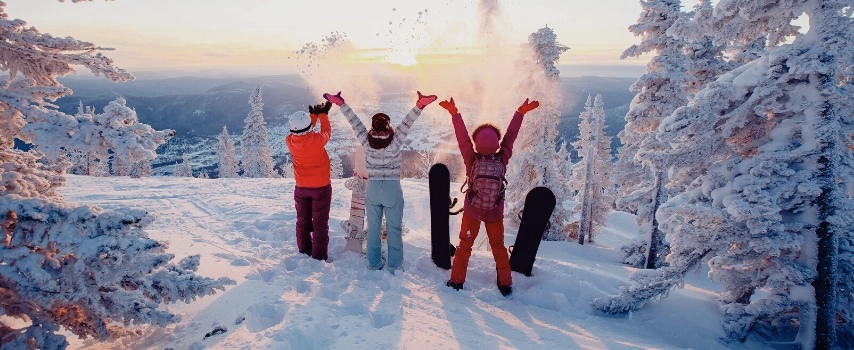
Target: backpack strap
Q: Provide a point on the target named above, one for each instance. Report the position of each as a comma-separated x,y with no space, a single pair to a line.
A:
467,184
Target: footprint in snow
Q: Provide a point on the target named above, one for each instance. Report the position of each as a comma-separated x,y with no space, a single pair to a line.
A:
380,320
291,264
261,316
303,287
262,274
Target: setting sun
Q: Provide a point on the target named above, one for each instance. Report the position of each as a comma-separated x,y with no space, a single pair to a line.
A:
403,58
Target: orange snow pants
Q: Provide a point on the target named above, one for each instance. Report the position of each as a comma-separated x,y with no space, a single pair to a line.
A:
495,233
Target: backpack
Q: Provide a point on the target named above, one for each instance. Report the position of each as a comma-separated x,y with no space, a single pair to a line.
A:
486,183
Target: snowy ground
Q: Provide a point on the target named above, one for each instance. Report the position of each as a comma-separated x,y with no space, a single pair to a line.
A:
243,229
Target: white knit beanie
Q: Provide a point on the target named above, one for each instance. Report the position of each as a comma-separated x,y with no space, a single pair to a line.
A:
299,122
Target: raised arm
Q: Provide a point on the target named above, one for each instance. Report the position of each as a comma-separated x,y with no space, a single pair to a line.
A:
403,129
356,123
462,134
513,128
320,113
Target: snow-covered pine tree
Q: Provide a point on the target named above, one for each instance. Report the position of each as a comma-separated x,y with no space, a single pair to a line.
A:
87,163
846,241
765,144
288,169
340,145
687,59
707,58
590,174
629,194
336,167
536,161
81,269
566,158
847,85
119,165
141,169
254,146
91,162
119,131
548,50
183,168
740,49
426,159
659,92
79,163
187,168
226,156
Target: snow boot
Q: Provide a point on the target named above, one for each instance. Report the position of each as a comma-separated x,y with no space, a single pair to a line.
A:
395,270
456,286
307,250
382,264
505,290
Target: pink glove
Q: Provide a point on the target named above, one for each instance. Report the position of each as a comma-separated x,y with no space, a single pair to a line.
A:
450,106
423,101
527,107
336,99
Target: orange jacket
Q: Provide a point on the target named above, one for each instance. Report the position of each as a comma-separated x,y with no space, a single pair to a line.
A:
308,152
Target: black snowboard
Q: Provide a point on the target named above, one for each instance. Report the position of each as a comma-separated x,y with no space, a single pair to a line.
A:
440,238
539,204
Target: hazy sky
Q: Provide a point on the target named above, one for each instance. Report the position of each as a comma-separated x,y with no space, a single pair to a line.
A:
261,36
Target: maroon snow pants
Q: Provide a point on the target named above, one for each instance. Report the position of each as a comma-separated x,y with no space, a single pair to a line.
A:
312,206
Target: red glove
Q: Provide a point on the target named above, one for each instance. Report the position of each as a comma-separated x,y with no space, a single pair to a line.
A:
336,99
450,106
528,106
423,101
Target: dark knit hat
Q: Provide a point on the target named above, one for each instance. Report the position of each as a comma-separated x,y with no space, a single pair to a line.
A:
381,133
380,122
485,126
486,142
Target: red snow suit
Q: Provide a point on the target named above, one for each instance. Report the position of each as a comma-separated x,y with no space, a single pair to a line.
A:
486,143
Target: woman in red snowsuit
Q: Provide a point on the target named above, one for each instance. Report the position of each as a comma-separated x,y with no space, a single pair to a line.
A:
486,145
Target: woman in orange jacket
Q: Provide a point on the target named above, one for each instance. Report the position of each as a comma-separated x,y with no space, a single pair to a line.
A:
313,192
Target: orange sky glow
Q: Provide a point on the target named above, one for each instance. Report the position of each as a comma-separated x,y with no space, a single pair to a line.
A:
261,36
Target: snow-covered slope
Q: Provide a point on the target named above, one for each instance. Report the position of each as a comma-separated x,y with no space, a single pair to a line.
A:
243,228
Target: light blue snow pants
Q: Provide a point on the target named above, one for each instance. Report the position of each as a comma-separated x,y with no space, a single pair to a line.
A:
384,197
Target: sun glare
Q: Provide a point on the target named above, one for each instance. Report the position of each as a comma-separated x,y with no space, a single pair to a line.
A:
403,58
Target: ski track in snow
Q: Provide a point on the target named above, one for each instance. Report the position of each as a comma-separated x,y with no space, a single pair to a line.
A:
243,228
